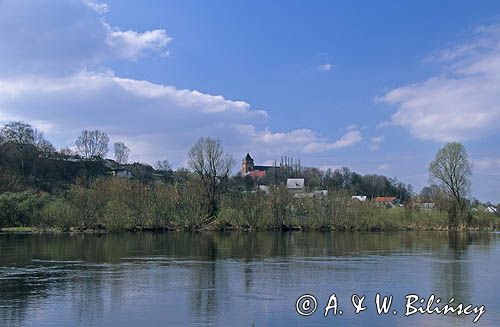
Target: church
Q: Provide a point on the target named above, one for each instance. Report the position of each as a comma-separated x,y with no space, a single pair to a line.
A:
249,168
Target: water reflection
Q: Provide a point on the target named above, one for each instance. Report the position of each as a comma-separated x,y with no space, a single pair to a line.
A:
221,278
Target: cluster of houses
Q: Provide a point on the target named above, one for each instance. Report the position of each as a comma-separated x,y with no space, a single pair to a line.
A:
297,187
386,201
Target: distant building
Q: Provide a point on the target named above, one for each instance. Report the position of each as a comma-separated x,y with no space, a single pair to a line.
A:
491,209
247,164
390,201
320,193
122,173
427,205
264,188
248,167
257,173
295,184
361,198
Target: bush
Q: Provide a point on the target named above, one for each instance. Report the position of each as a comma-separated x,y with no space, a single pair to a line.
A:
21,209
60,213
118,216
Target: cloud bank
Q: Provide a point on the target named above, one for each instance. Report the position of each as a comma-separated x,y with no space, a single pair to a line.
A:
463,101
54,74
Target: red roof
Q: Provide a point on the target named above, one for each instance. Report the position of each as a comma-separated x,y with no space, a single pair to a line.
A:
385,199
257,173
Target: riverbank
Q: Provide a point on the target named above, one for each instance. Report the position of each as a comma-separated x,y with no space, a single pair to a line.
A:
115,205
387,224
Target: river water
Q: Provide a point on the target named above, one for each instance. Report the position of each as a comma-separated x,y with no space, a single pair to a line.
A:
240,279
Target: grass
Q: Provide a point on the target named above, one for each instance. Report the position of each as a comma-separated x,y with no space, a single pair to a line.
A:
17,230
30,230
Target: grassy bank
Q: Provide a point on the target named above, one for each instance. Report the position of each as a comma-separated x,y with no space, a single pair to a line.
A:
114,204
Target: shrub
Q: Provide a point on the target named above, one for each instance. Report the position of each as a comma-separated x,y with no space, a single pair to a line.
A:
118,216
60,213
21,209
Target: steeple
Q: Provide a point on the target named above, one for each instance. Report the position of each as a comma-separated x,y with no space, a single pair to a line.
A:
247,164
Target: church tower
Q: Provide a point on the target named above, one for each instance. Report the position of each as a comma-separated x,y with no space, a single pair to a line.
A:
247,164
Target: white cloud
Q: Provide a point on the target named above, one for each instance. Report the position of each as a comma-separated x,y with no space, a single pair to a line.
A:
488,166
155,120
348,139
101,8
53,74
58,38
292,142
460,104
331,167
131,44
375,142
383,167
325,67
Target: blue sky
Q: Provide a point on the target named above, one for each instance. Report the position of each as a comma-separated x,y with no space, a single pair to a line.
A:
375,86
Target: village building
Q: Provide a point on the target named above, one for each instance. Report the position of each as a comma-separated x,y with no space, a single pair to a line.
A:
295,184
248,167
122,173
491,209
388,201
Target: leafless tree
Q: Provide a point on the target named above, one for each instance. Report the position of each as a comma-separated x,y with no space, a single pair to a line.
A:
121,152
18,132
451,171
67,151
163,165
23,137
23,133
92,144
212,165
42,144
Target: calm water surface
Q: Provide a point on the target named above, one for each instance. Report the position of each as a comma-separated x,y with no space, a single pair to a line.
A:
235,279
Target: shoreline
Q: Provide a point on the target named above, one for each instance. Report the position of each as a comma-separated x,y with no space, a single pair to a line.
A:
285,229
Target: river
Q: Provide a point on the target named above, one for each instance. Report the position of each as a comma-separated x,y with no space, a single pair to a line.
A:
240,279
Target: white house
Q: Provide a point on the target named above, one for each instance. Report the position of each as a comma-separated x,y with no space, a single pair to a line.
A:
491,209
361,198
321,193
122,173
264,188
295,184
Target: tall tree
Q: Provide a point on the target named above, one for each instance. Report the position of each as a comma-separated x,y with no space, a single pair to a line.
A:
22,133
18,132
92,144
163,165
26,143
121,152
451,171
212,165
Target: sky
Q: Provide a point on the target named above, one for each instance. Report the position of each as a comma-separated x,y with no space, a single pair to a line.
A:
376,86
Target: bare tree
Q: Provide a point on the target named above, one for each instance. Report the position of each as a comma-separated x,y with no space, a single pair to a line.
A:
121,152
19,132
212,165
163,165
22,133
92,144
67,151
26,141
451,171
42,144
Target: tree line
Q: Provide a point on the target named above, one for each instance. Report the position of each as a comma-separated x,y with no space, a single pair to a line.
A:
42,186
